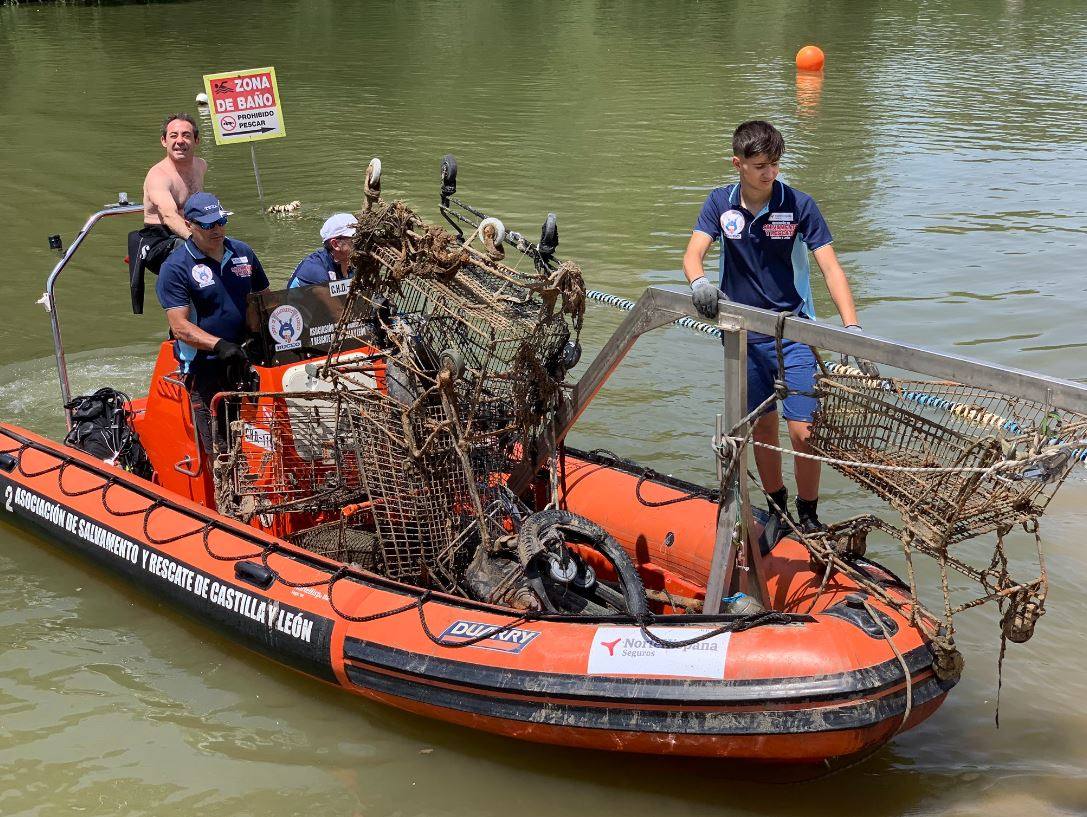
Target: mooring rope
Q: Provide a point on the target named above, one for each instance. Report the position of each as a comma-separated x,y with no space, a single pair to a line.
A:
627,305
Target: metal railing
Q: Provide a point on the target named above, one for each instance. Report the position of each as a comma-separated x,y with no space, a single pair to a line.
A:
120,209
663,305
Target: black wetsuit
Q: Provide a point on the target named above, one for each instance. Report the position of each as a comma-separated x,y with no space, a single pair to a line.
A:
147,249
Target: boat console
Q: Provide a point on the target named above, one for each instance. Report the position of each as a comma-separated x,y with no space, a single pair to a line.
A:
299,324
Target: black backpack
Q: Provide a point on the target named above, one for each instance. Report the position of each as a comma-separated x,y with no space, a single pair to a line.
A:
102,427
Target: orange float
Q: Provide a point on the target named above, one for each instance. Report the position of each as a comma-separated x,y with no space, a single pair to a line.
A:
810,58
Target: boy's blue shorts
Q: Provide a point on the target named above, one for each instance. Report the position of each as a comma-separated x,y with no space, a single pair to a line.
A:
800,369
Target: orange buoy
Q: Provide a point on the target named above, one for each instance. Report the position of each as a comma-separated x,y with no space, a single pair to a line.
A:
810,58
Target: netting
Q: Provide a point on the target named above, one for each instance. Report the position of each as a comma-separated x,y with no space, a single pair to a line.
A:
342,541
509,335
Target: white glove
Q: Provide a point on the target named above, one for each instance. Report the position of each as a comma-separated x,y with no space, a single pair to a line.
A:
705,295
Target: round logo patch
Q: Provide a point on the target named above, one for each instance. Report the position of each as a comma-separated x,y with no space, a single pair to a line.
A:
203,275
732,223
285,325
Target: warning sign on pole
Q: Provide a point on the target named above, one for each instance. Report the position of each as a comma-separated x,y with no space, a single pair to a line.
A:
245,105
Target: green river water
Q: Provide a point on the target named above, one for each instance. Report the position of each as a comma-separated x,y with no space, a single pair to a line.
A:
945,143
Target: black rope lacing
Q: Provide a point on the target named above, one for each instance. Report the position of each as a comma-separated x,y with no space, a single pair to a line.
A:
736,625
645,474
84,492
341,573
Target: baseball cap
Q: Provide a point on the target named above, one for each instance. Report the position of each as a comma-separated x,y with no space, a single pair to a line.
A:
340,225
204,208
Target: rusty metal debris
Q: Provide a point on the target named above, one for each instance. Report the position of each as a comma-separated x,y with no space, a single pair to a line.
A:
417,437
957,463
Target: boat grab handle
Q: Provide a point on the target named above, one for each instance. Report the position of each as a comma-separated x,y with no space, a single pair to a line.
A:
175,379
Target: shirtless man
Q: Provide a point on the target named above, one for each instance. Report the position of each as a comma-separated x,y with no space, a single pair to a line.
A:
166,188
170,182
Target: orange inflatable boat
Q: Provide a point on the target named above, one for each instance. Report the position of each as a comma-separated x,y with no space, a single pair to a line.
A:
819,673
813,683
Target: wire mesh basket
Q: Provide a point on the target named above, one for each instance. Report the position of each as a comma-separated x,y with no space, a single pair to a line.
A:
509,335
287,452
419,490
475,352
342,541
468,358
945,425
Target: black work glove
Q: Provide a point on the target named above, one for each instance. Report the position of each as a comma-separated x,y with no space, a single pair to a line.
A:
705,295
867,367
230,353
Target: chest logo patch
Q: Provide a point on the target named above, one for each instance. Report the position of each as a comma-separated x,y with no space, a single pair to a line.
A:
203,275
285,325
779,230
243,270
732,224
781,217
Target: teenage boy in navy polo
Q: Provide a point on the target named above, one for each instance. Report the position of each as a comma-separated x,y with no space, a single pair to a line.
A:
333,261
203,286
767,229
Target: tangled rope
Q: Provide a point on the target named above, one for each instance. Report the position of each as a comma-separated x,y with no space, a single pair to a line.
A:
737,625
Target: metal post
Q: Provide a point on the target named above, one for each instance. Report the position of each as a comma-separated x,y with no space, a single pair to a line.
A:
724,556
51,298
256,174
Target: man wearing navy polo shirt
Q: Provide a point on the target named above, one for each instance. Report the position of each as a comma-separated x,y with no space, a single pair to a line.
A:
333,261
766,229
203,286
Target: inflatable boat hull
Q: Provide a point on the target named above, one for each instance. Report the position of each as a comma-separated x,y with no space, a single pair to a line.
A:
817,688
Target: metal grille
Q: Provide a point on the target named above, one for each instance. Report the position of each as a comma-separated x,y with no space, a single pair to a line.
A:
940,424
475,354
508,329
467,379
419,502
287,452
342,542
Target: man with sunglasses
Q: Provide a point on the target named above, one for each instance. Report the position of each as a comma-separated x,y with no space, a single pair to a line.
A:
203,286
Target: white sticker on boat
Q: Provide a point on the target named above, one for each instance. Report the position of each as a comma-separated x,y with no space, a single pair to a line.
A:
338,288
625,651
490,636
260,437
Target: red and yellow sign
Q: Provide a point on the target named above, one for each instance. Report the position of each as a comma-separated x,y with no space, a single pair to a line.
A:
245,105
